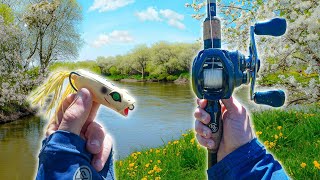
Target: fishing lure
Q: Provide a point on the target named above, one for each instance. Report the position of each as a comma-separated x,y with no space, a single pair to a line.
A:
103,92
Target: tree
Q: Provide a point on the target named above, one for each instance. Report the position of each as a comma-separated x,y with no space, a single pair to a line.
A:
295,57
140,57
52,27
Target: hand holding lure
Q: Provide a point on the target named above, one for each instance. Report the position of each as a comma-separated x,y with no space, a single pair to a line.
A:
103,91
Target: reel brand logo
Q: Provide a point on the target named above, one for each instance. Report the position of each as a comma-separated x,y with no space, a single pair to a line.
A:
214,127
83,173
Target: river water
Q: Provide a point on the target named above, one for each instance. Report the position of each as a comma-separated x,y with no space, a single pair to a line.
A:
163,112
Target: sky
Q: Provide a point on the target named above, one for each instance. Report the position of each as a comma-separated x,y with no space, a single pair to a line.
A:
114,27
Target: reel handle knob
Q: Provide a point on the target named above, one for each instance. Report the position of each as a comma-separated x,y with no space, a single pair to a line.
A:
274,98
273,27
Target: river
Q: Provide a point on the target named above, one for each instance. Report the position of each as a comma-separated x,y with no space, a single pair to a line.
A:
163,112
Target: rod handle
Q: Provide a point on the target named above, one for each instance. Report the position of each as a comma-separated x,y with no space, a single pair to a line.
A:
215,125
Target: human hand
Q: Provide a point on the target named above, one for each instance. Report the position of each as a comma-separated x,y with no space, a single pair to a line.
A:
237,129
76,115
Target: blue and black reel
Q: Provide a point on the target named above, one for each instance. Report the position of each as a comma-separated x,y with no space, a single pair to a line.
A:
217,72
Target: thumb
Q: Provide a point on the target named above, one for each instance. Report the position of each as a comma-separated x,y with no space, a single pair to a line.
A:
77,113
231,103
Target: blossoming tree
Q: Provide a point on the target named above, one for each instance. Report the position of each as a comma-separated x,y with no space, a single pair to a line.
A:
294,58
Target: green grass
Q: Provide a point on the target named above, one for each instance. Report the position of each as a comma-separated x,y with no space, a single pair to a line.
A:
179,159
300,140
293,137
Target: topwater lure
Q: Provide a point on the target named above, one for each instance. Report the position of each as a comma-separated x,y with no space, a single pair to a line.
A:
103,92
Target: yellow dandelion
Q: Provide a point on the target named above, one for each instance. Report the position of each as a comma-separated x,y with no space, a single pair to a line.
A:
316,164
147,165
175,142
159,161
131,164
151,172
258,133
135,157
192,140
139,153
303,165
144,178
150,161
169,142
120,163
279,127
266,143
276,136
151,150
184,135
280,134
158,178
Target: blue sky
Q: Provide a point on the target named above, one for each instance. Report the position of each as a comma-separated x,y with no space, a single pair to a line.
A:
112,27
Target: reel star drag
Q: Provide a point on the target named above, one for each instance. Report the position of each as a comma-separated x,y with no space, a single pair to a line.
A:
103,91
216,72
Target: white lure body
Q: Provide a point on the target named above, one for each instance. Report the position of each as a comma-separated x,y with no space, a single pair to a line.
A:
103,91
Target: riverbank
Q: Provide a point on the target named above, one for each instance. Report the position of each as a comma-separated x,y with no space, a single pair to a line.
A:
281,131
14,116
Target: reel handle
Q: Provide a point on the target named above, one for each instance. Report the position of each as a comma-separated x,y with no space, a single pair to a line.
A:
214,109
274,98
273,27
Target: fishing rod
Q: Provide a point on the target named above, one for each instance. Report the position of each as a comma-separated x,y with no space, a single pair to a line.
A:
217,72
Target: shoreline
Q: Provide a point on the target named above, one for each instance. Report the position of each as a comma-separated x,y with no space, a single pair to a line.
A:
181,81
16,116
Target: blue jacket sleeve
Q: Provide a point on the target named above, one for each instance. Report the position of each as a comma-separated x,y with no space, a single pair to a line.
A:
250,161
64,156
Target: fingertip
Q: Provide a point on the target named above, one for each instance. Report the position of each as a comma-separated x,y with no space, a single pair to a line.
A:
203,103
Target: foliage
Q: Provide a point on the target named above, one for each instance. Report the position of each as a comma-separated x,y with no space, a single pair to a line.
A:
161,61
6,13
15,82
71,66
292,136
179,159
33,34
298,49
52,31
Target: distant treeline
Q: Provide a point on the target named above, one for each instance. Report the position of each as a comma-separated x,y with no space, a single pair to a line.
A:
161,61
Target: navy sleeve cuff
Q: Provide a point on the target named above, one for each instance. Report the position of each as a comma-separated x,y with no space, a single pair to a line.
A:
250,161
63,154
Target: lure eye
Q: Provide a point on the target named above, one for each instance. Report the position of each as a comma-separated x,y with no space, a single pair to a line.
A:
116,96
104,90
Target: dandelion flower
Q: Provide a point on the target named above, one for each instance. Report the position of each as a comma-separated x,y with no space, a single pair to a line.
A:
276,136
280,134
120,163
159,161
131,164
316,164
192,140
175,142
303,165
158,178
144,178
279,127
157,151
147,165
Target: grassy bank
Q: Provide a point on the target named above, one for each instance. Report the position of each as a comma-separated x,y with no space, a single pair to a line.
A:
293,136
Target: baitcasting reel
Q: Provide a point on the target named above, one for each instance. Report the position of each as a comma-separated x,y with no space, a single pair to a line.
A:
217,72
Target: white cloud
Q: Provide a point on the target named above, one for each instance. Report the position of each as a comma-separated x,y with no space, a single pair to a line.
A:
108,5
113,37
150,14
174,18
171,17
